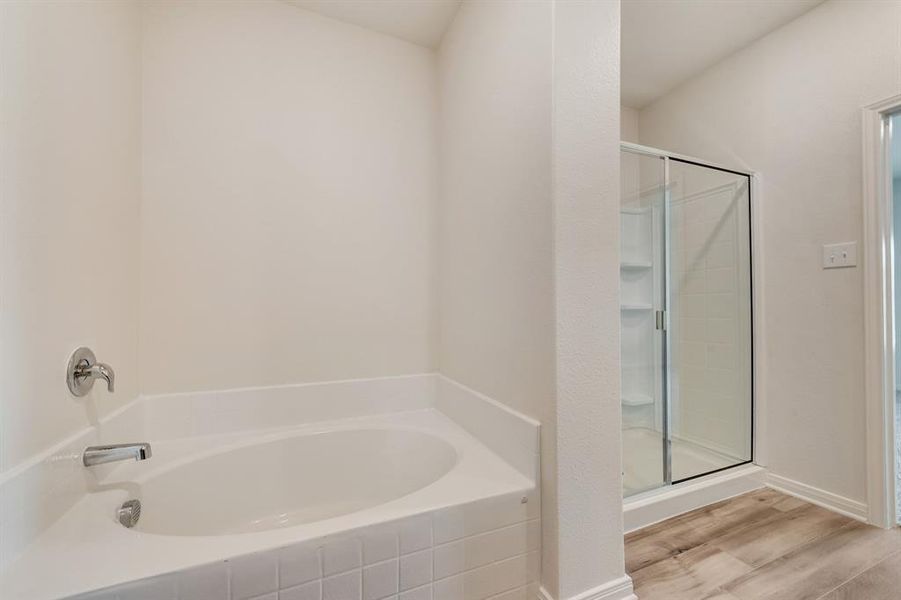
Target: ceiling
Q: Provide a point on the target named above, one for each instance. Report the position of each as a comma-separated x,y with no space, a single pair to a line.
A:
422,22
666,42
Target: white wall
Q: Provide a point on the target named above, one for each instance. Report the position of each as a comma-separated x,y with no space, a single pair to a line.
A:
628,123
495,218
288,206
587,256
509,312
788,106
69,192
287,232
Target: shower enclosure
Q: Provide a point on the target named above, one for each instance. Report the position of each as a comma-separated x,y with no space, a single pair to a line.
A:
687,352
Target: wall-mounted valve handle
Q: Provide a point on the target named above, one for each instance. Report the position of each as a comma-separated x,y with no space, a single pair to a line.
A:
84,369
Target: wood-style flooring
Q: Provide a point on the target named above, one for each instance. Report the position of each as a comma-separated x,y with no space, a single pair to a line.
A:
764,545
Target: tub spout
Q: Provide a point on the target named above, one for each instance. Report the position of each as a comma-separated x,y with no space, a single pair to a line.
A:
98,455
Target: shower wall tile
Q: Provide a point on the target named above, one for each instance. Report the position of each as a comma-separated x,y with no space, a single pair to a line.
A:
712,333
483,550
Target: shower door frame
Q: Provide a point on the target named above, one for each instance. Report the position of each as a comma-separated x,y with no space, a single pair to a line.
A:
757,423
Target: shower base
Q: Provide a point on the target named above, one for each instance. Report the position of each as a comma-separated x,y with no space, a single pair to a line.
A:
648,501
643,460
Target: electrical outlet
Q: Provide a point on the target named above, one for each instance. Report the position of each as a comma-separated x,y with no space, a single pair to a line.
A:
837,256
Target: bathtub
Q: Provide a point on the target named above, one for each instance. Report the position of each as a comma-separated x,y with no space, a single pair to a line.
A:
211,503
289,479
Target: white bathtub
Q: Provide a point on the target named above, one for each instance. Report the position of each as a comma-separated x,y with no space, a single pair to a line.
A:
213,498
289,479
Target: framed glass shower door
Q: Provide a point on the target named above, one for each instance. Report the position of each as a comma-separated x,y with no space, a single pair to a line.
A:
685,280
709,364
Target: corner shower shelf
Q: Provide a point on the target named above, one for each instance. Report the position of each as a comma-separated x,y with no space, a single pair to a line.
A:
637,400
634,265
636,307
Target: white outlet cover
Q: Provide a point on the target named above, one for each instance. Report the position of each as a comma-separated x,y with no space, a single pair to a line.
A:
838,256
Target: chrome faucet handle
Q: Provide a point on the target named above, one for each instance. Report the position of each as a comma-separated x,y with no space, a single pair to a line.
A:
83,369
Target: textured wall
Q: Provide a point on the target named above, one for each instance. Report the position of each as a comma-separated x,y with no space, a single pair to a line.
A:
586,201
288,206
789,106
71,83
495,266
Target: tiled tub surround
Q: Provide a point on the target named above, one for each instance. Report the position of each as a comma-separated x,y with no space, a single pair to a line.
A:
486,549
482,493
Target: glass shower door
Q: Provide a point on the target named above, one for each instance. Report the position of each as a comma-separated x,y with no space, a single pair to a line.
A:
642,272
709,363
686,326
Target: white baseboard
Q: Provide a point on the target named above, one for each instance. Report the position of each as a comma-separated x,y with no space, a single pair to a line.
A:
618,589
834,502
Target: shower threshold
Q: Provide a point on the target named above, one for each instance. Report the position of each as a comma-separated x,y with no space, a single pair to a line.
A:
666,502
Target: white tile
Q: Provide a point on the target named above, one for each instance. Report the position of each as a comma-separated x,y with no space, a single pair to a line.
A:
693,354
379,544
254,575
721,356
420,593
209,582
451,588
720,280
298,564
415,534
272,596
307,591
694,282
485,515
380,580
693,330
722,306
723,331
347,586
154,588
339,555
489,580
415,569
520,593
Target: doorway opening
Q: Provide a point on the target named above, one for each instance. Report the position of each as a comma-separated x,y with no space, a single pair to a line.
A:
882,308
893,134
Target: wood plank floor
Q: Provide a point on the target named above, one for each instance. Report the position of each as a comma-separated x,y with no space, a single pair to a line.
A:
764,545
